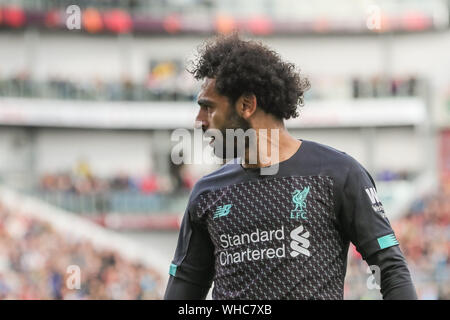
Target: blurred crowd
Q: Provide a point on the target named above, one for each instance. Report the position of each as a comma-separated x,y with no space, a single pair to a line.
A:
34,261
385,87
91,184
394,175
168,81
82,191
82,181
176,87
424,235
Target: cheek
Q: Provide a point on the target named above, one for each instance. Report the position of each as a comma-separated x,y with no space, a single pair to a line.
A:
220,117
217,117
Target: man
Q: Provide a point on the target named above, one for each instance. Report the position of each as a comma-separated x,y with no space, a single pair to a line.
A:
283,235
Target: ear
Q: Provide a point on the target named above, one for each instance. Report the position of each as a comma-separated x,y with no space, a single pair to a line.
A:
246,105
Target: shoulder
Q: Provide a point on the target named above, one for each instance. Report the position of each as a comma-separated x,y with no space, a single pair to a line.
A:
223,176
337,163
328,155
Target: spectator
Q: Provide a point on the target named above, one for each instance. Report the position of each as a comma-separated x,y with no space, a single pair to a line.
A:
34,259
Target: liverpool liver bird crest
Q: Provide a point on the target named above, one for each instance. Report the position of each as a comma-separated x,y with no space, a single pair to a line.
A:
299,199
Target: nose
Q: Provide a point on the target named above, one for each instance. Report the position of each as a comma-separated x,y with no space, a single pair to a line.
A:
202,118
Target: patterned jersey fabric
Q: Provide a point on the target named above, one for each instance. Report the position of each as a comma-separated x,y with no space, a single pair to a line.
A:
281,236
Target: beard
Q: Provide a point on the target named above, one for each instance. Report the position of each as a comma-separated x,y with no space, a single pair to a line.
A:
232,142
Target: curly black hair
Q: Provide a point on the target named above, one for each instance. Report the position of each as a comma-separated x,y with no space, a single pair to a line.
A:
249,67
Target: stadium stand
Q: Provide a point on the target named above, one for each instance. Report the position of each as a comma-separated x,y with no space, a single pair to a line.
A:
36,251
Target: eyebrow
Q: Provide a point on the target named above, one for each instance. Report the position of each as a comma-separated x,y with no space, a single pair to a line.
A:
205,102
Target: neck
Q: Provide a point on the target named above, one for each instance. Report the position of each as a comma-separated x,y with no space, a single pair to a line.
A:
273,145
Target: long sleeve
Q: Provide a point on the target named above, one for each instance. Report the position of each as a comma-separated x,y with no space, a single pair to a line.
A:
179,289
192,269
396,283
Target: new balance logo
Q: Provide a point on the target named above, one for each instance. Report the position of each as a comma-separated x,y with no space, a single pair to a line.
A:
300,242
222,211
376,203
